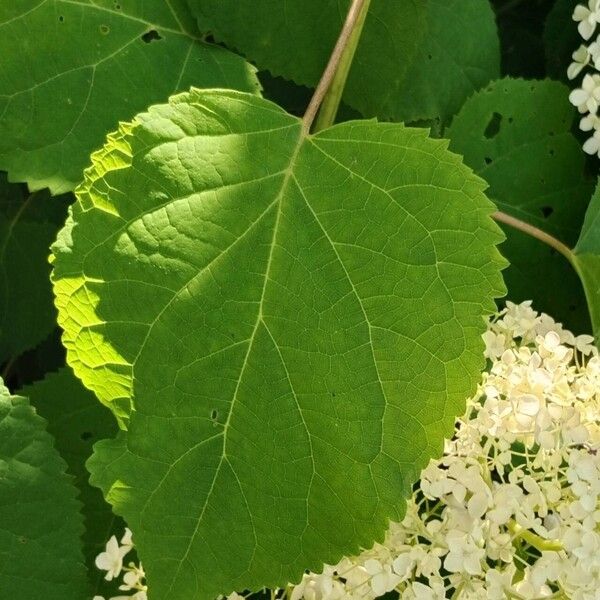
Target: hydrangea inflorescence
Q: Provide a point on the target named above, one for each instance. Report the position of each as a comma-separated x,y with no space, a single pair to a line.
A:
512,509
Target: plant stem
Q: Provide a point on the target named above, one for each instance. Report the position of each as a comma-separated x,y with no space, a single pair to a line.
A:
536,233
340,61
333,97
533,539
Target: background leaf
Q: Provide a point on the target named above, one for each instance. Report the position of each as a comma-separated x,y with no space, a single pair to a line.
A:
516,134
296,319
28,225
72,69
77,420
40,523
416,59
561,37
587,259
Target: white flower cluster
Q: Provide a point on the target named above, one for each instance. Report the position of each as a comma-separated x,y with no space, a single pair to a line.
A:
111,561
512,510
587,97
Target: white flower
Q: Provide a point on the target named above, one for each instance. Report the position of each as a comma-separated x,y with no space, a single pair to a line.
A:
127,540
383,579
587,17
586,98
134,576
581,58
464,555
592,145
111,560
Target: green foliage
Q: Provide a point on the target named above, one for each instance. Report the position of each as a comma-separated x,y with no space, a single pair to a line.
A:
284,323
587,259
40,523
561,38
28,225
517,135
80,67
321,336
77,420
415,60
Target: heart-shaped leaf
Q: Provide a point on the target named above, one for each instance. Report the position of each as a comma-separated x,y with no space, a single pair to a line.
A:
288,323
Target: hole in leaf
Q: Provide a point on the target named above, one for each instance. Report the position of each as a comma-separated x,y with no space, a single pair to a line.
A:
488,160
151,36
104,29
493,127
547,211
86,435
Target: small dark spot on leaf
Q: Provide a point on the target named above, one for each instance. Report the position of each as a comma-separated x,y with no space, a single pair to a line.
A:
547,211
572,307
430,57
551,133
151,36
488,160
104,29
214,414
61,19
493,127
551,151
22,539
510,120
333,394
86,435
117,6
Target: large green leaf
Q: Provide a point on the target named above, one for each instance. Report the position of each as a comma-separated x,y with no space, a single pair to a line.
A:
70,70
416,59
516,134
587,259
297,320
40,523
28,225
77,420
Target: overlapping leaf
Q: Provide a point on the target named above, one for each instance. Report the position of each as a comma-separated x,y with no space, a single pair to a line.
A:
416,59
28,225
516,134
71,69
77,420
297,319
40,523
587,259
